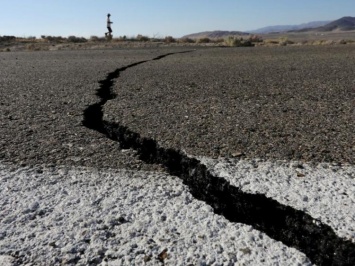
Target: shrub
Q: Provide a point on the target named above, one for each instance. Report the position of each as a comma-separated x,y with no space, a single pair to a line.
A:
234,41
7,38
142,38
76,39
94,39
33,47
52,38
256,38
219,40
270,41
169,39
323,42
204,40
157,40
186,40
285,41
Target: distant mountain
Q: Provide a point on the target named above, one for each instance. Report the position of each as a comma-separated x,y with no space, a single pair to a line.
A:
285,28
342,24
215,34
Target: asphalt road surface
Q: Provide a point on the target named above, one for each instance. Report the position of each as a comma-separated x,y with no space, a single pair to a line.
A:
109,136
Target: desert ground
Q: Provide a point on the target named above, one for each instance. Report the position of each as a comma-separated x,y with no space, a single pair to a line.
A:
76,124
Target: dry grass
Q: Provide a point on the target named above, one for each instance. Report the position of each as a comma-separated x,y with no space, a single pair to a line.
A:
309,38
12,43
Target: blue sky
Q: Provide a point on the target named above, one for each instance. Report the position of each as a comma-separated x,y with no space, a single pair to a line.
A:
159,18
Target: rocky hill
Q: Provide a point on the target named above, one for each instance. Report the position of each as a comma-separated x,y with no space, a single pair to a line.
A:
342,24
285,28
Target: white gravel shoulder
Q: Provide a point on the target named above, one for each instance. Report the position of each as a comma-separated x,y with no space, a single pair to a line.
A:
56,215
325,191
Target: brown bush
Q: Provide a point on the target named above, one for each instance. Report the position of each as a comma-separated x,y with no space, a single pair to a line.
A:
204,40
142,38
169,39
186,40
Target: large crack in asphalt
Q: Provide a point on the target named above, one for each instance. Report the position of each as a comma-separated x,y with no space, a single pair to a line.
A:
292,227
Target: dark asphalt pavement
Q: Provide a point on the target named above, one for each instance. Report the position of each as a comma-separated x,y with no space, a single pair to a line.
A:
43,97
280,103
292,103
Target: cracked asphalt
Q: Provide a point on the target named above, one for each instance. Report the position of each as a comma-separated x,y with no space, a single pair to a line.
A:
43,96
270,103
281,103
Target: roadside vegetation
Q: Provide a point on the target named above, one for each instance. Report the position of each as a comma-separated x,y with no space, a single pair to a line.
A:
234,41
48,42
